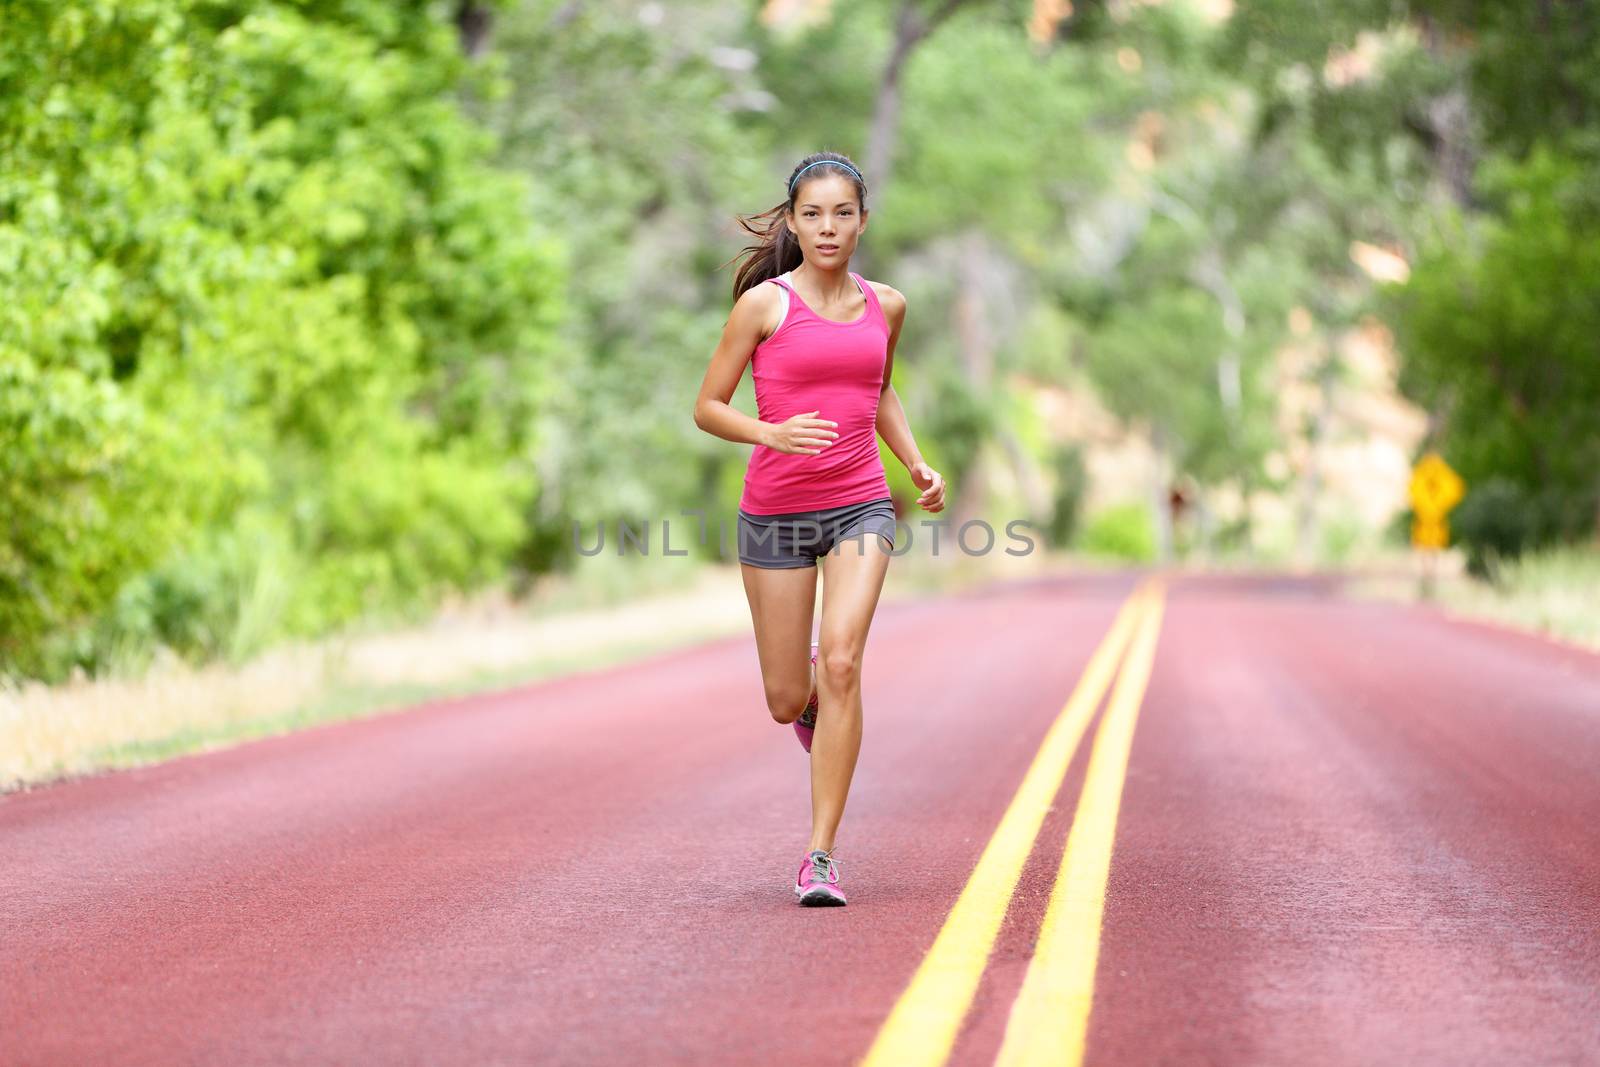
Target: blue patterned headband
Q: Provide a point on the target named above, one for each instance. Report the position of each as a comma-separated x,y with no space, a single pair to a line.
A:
818,163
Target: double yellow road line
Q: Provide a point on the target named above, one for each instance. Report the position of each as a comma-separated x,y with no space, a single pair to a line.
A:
1049,1019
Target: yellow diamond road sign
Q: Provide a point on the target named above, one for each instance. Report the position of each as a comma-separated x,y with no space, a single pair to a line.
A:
1435,488
1430,533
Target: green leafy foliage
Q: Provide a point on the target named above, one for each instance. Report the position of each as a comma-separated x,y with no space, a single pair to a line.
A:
1071,484
1121,532
273,331
304,316
643,132
1502,336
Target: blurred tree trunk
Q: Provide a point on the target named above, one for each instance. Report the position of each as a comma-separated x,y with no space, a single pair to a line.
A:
1205,522
1035,494
1445,125
1211,275
474,21
1161,495
1307,526
975,346
911,27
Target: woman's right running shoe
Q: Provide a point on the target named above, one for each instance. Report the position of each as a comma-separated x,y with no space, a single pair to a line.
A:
805,726
817,884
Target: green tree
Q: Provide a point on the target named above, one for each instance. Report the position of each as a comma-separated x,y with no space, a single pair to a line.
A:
1502,336
257,280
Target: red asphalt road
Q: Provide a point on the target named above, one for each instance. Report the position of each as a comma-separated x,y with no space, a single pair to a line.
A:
1350,833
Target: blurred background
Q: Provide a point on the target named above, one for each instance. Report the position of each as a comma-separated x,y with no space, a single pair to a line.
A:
330,317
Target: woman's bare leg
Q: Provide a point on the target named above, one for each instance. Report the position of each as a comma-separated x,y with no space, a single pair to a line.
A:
852,579
782,602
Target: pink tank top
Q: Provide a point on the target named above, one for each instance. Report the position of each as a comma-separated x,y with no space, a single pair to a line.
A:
835,368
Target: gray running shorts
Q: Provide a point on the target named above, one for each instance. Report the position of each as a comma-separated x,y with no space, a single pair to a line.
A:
797,538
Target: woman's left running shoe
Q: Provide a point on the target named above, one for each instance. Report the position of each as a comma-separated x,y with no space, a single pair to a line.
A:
805,726
817,884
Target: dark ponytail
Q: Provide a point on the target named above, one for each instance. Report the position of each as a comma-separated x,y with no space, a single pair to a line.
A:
776,249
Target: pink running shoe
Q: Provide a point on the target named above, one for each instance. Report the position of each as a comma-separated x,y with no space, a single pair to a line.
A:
805,726
817,884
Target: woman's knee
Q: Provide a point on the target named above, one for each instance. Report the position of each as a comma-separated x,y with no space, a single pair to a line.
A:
786,704
841,665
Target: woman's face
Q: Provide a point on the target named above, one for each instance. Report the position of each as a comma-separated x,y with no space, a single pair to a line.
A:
827,220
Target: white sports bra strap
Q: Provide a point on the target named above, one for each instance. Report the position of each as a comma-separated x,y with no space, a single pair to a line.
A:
785,282
784,289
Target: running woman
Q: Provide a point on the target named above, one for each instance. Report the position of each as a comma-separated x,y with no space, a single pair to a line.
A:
820,341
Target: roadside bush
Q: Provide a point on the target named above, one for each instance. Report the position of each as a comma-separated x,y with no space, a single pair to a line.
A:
1121,532
1071,483
1494,522
1499,520
273,331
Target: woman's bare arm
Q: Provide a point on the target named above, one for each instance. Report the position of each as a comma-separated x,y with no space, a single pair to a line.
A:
741,334
893,425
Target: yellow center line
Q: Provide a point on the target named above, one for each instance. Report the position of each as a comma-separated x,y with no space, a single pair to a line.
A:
1049,1020
922,1027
